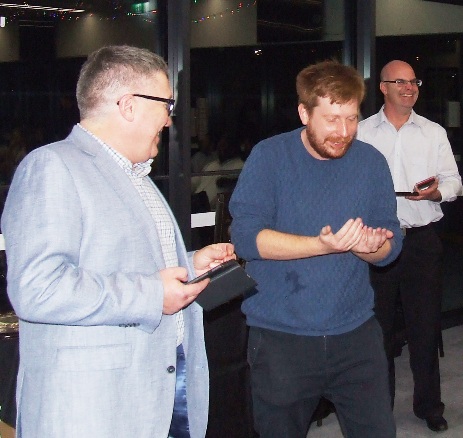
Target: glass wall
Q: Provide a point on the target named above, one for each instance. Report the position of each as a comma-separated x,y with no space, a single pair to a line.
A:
41,52
244,63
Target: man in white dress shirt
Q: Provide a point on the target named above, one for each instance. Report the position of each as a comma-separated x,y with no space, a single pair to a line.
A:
415,149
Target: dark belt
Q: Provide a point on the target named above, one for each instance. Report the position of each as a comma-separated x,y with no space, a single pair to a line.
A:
415,230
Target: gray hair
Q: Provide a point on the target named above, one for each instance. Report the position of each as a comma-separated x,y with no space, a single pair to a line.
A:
110,69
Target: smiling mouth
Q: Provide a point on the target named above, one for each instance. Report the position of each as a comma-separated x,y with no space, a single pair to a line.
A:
338,144
338,141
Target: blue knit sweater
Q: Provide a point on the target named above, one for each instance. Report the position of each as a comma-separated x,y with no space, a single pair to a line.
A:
283,188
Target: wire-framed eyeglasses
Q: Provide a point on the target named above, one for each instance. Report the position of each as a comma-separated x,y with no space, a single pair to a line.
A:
170,103
403,82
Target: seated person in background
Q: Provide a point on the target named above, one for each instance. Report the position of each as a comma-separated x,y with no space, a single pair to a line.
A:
228,158
247,142
204,155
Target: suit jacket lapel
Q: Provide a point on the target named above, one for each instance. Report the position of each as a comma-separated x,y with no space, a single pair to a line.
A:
119,181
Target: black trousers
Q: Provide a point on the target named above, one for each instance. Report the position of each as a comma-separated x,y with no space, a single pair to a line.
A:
290,373
416,276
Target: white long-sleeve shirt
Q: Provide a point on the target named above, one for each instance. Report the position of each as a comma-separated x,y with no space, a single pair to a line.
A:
418,150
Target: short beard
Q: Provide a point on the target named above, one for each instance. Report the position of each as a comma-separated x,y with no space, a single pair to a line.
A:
322,150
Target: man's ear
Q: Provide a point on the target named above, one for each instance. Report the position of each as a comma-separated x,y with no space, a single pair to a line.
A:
127,107
303,113
382,87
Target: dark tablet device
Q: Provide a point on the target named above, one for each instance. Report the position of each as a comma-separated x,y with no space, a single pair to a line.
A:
228,280
406,193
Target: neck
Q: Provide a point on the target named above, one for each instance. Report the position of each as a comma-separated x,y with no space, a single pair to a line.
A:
396,117
108,134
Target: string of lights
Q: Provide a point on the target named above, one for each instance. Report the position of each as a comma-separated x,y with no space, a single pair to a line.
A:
105,10
113,9
222,14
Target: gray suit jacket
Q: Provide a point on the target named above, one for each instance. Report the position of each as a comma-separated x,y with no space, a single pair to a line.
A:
96,352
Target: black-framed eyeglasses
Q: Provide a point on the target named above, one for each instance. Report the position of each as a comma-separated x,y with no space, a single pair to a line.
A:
170,103
403,82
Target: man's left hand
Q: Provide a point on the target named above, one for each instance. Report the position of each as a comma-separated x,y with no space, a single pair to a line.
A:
432,193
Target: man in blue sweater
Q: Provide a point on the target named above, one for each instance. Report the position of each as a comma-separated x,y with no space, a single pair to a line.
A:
312,208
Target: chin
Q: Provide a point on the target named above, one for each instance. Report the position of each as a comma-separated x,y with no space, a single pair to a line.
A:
338,155
332,153
154,151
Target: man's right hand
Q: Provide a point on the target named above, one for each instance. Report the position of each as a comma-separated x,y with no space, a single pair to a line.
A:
177,294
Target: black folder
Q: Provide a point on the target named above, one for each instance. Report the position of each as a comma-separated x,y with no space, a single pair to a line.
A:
228,280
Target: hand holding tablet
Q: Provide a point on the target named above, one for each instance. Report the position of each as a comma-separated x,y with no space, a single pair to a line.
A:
422,185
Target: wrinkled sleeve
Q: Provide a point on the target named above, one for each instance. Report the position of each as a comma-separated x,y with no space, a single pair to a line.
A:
449,178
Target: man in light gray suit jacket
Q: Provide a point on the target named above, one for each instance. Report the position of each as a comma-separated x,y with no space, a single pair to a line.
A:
96,270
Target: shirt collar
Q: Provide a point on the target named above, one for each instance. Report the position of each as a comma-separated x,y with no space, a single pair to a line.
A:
141,169
413,118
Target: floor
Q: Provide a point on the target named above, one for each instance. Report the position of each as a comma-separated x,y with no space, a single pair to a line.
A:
408,426
6,431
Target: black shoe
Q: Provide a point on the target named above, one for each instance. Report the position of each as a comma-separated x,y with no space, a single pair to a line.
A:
437,423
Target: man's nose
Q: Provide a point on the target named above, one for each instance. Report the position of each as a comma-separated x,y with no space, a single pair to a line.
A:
342,128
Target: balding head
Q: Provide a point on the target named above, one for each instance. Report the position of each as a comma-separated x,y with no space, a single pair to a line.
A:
399,97
390,69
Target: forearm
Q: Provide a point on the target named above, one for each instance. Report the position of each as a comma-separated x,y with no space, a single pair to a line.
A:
276,245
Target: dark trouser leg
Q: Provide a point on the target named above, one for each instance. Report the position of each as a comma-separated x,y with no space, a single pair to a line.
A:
421,293
358,382
287,421
286,381
385,282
